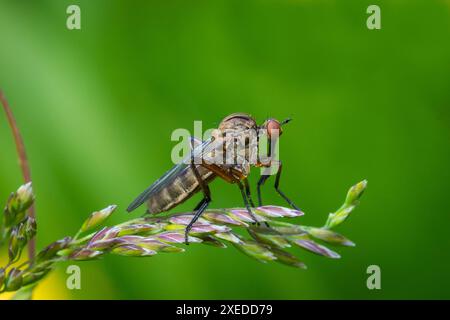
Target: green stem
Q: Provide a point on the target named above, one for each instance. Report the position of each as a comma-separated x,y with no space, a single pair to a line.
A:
23,161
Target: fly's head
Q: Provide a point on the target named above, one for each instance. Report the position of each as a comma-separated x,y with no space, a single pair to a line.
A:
270,131
273,128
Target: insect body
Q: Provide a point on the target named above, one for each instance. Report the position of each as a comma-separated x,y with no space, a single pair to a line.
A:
228,154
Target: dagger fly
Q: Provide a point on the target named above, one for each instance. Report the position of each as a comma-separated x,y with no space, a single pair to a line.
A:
234,147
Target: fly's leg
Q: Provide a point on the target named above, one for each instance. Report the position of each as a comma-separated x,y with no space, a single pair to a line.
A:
199,209
249,197
203,204
244,196
277,184
248,193
227,176
261,181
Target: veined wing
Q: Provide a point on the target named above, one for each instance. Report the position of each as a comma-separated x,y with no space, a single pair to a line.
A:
170,175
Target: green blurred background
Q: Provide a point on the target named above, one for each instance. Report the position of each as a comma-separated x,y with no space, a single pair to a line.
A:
97,107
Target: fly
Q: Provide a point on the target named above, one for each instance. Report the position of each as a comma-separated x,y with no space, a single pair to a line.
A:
228,155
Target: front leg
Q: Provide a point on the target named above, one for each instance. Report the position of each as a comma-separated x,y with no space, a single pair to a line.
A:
277,188
244,197
247,192
261,182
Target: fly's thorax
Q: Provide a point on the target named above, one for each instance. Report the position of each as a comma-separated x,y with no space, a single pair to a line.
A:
237,121
234,147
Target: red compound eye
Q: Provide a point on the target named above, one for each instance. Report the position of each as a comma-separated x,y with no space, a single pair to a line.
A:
273,127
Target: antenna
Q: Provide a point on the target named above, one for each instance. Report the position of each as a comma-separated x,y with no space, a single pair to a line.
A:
285,121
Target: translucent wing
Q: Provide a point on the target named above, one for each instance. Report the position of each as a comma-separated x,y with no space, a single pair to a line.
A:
170,175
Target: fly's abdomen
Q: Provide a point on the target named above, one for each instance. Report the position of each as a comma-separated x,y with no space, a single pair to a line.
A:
182,187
